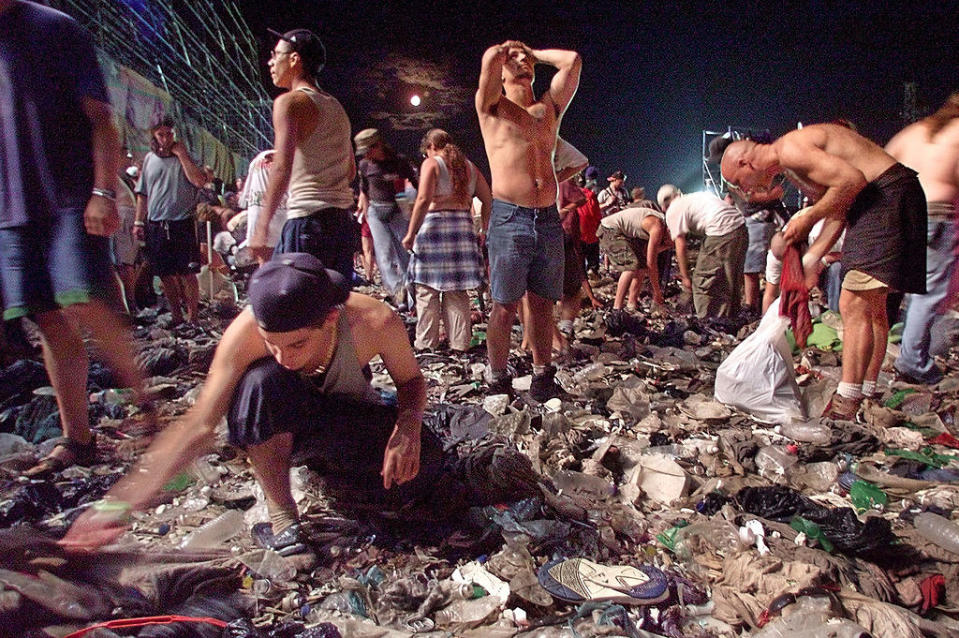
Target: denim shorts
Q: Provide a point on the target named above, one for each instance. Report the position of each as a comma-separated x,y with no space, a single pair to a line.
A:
330,234
525,252
760,234
53,263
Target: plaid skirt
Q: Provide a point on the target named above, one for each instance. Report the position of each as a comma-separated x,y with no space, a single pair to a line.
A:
445,253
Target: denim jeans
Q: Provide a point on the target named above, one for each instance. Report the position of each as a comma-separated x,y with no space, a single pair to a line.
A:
922,310
388,226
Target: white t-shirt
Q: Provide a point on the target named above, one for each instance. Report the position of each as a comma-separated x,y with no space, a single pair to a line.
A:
251,197
702,214
566,155
774,266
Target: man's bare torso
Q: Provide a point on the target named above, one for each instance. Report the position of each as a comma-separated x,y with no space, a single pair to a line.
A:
934,157
519,144
840,142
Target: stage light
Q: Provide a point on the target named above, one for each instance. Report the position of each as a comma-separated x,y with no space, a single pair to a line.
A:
415,100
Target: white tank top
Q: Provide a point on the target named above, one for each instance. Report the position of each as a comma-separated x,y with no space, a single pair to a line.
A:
320,175
444,184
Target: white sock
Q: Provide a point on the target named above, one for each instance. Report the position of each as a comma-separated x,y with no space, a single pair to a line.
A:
868,388
850,390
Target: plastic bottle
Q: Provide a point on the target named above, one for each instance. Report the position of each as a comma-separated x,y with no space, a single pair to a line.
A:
938,530
818,476
592,372
268,564
467,611
347,602
812,431
773,462
216,531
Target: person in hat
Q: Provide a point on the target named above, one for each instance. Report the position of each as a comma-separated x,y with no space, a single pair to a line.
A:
313,162
383,176
614,197
291,376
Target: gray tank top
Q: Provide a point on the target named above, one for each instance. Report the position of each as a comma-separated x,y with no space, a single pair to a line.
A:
344,376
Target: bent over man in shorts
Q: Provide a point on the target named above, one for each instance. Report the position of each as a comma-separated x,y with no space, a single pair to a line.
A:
852,181
525,239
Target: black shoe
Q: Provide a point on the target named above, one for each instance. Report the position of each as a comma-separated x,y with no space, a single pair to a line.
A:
543,387
501,385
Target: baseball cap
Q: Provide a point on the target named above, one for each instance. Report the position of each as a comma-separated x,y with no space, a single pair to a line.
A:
365,139
293,291
308,45
617,175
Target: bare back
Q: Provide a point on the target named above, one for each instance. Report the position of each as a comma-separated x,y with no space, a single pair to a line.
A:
813,156
934,157
519,145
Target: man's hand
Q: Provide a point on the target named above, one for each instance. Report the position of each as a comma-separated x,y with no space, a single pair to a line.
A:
516,44
595,303
94,529
687,282
101,217
177,148
139,234
401,462
798,228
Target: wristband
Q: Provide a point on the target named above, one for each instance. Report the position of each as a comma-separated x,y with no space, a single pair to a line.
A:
105,193
120,510
138,223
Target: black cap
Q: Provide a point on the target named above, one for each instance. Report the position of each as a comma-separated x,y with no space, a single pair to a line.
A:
294,291
308,45
617,175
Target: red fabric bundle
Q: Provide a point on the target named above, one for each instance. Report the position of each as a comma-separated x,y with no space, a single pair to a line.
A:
794,297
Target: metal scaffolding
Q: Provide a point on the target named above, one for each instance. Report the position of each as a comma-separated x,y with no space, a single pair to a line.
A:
201,52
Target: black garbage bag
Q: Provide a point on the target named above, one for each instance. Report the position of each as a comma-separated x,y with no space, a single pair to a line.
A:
671,336
871,540
29,502
200,606
19,379
775,502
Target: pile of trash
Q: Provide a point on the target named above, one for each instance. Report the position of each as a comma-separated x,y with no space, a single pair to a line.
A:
658,509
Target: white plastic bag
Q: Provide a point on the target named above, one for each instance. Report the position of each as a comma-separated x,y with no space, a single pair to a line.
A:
758,376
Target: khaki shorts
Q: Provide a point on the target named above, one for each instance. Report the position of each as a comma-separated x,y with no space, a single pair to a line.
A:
858,280
625,253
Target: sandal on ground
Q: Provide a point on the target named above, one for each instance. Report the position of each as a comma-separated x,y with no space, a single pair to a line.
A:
73,453
579,580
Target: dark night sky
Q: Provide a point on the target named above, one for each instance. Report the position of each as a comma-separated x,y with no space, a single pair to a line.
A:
654,76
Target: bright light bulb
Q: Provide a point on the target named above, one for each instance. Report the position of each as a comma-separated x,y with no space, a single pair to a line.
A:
415,100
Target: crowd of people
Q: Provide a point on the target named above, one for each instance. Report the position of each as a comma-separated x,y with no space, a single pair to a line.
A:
325,209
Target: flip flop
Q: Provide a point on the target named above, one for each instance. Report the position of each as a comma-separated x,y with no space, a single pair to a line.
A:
76,454
578,580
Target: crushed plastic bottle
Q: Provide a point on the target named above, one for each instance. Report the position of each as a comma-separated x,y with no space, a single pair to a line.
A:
811,431
773,462
938,530
267,564
114,396
467,611
216,531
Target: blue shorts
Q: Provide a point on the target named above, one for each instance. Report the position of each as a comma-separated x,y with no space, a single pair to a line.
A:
53,263
330,234
525,252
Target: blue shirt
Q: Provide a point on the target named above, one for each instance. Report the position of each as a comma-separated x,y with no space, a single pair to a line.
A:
47,66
